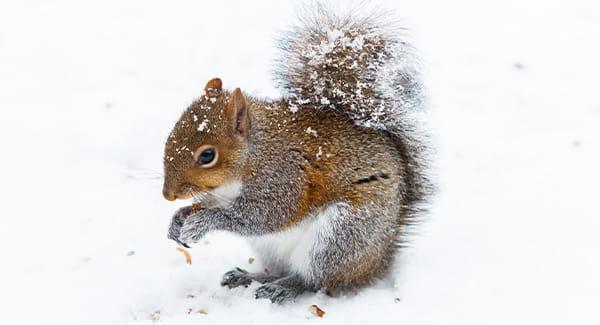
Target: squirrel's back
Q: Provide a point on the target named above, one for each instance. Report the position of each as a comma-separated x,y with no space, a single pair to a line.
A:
361,68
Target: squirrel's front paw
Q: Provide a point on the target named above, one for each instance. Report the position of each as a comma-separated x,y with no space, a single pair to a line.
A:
177,223
193,228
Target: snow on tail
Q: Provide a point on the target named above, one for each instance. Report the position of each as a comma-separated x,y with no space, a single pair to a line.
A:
357,65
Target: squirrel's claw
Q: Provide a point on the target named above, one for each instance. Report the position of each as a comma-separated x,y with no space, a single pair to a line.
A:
175,238
235,278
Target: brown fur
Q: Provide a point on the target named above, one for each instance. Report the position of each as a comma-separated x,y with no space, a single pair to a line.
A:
325,145
339,161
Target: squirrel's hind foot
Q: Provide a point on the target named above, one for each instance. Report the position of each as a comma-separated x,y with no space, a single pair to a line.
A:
282,290
240,277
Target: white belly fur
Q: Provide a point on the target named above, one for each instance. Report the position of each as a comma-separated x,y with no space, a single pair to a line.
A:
292,250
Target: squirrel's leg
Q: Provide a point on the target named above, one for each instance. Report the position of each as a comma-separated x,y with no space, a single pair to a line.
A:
282,290
240,277
354,246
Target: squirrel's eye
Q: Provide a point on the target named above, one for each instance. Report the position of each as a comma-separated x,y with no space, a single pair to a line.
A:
206,157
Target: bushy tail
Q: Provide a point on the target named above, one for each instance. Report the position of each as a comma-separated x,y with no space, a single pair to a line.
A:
355,64
360,67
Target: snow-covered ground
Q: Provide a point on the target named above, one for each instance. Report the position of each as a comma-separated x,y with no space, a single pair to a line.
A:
90,89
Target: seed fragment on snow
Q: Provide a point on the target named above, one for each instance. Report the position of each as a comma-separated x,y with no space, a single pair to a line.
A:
155,315
201,312
130,253
186,255
190,296
250,260
397,300
315,310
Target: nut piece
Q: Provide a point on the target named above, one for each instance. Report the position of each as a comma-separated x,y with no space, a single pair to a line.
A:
315,310
155,315
186,254
196,207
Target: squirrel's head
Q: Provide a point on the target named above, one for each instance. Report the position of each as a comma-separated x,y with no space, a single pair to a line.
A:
205,149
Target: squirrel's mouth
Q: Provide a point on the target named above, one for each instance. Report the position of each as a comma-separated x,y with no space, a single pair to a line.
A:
188,191
196,201
209,197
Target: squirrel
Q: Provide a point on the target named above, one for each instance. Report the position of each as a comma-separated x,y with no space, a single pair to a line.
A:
326,181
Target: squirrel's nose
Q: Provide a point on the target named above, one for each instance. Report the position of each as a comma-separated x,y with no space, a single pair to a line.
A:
169,194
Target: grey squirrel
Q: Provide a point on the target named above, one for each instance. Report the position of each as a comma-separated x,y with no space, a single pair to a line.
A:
324,181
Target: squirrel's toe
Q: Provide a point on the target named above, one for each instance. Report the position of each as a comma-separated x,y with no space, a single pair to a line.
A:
235,278
276,293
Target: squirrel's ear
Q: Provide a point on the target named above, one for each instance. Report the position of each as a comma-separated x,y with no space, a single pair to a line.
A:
238,110
213,87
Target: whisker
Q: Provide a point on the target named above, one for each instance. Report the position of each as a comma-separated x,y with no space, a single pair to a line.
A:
142,174
144,178
196,197
219,197
199,197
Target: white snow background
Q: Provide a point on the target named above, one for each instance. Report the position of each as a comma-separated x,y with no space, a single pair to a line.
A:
89,90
